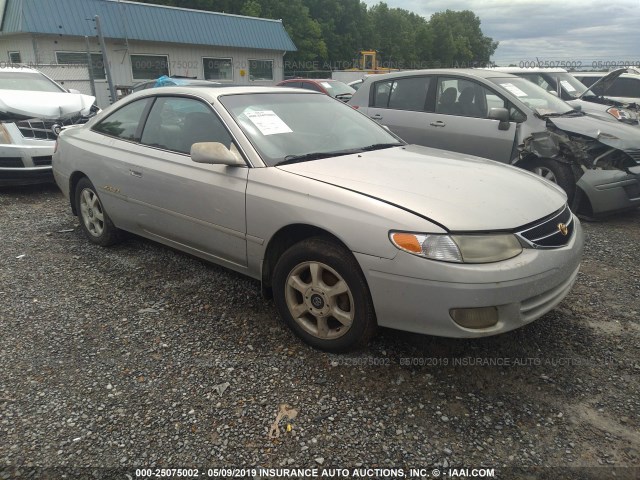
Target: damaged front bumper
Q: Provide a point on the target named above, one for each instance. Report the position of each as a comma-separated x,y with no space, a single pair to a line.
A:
611,190
606,166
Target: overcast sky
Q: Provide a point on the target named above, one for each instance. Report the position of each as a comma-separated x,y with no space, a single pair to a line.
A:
574,30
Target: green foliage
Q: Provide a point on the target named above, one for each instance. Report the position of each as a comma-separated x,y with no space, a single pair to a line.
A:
330,33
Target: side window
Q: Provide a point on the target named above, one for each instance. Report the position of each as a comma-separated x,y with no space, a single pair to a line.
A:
447,96
625,87
457,96
409,94
176,123
588,81
381,92
124,122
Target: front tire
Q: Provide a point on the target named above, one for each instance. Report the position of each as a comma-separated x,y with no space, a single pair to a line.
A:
556,172
322,295
94,220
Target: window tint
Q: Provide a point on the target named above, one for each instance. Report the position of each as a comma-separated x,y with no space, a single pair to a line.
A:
124,122
588,81
624,87
409,94
401,94
176,123
381,91
311,86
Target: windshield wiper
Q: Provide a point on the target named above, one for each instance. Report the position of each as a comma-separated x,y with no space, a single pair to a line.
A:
573,111
380,146
314,156
318,155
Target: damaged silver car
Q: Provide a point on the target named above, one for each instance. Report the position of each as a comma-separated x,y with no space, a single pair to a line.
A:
33,110
346,226
509,119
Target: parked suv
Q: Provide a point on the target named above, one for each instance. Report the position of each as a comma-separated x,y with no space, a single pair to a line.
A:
575,92
509,119
33,110
623,88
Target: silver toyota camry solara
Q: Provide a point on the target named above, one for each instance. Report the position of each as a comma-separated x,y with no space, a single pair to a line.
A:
343,223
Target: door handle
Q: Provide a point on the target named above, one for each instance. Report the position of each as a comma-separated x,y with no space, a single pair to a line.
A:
135,173
377,116
439,123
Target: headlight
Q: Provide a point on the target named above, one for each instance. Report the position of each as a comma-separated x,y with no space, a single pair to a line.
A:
5,138
622,114
458,248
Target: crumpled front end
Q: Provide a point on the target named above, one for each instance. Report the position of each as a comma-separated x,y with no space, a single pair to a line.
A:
606,167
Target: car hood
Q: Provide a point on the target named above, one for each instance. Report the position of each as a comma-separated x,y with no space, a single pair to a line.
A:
462,193
605,81
23,105
608,131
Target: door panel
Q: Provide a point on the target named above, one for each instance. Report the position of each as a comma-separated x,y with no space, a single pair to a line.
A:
460,121
180,201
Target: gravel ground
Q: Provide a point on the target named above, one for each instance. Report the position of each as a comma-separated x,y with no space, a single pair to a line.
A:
141,356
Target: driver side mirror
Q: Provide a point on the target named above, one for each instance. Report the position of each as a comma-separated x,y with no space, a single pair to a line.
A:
502,115
214,153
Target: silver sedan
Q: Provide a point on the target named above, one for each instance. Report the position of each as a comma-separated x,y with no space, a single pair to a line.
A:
343,223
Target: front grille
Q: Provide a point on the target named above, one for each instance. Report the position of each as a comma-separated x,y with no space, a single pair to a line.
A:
39,129
547,234
635,154
42,161
11,162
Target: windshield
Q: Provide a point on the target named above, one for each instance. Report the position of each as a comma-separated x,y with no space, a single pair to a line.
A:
33,82
285,125
533,96
570,87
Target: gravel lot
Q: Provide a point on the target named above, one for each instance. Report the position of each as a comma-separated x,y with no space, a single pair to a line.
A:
139,355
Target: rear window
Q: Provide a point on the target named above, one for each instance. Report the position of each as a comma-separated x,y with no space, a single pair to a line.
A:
624,87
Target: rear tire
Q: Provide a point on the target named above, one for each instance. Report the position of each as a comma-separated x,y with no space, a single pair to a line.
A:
556,172
95,222
321,294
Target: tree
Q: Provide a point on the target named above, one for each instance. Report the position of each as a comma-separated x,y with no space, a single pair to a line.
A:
459,39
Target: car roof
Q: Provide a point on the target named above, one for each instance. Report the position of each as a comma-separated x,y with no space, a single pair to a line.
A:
213,90
464,72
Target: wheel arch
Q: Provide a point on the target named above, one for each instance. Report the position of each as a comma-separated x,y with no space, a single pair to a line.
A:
73,182
284,238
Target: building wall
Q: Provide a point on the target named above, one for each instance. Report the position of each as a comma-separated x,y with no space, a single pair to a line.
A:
186,60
